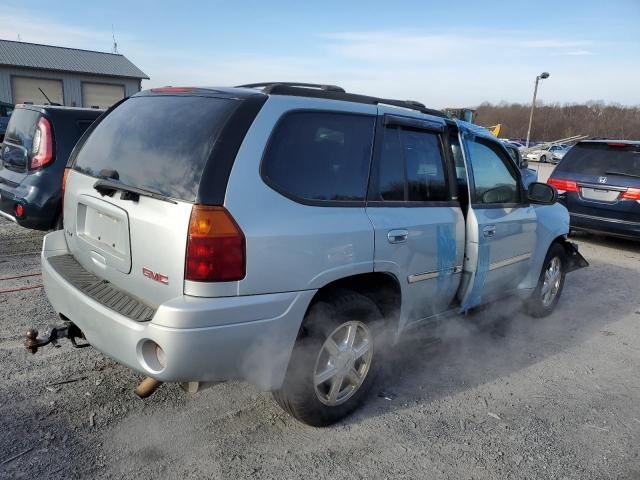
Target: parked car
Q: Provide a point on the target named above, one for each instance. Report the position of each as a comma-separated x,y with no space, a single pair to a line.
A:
599,183
6,109
558,152
260,233
528,174
539,155
515,143
36,147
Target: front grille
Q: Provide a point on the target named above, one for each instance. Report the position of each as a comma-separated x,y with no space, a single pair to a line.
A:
101,290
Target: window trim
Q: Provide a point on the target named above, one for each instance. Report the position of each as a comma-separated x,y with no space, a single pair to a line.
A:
307,201
412,123
397,123
510,165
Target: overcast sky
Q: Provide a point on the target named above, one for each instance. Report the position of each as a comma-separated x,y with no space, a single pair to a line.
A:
441,53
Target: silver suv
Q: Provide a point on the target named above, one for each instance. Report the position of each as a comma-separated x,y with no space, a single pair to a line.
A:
286,234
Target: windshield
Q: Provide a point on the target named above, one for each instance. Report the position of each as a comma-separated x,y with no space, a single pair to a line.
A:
157,143
602,159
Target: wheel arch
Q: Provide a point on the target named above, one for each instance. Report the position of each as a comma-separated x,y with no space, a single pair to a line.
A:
382,288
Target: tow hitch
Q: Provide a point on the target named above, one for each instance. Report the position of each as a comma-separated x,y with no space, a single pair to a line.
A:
69,330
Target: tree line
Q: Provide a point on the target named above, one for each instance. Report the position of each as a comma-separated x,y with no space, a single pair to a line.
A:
554,121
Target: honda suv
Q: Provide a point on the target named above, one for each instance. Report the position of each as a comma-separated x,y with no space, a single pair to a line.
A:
287,235
599,182
33,156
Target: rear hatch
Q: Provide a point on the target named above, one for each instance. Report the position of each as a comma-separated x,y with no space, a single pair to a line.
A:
129,196
607,179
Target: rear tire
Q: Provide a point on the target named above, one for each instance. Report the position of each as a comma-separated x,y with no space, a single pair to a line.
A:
335,359
550,284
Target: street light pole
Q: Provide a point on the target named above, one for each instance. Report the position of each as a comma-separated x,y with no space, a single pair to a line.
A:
542,76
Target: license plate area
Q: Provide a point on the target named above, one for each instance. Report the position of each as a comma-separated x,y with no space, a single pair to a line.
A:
599,194
102,230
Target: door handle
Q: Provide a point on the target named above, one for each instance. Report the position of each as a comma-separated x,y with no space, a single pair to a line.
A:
489,231
398,236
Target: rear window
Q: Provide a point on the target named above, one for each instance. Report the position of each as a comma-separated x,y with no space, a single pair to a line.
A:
158,143
22,127
320,156
18,139
601,159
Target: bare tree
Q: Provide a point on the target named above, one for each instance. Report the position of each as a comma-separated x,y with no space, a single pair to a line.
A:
555,120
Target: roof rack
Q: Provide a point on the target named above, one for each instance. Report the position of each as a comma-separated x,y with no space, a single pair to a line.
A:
333,92
268,86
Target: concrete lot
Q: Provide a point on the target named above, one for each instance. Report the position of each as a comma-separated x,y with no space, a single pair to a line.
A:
544,170
557,398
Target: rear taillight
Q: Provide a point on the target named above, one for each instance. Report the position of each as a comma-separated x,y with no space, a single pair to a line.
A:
564,185
19,209
631,194
215,246
64,187
42,151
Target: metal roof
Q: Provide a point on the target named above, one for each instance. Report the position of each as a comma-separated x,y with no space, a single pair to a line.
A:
48,57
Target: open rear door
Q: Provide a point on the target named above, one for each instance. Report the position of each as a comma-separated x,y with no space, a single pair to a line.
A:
501,225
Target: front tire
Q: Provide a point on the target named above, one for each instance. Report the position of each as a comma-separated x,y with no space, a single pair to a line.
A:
550,284
543,159
335,359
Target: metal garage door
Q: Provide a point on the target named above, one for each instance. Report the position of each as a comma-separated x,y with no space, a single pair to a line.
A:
101,95
26,90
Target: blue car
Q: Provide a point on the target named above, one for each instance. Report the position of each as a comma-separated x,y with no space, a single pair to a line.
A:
599,183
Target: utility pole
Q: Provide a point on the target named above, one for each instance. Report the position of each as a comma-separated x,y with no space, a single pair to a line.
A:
542,76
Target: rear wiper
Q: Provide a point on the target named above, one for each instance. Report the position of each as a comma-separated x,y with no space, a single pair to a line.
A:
108,187
624,174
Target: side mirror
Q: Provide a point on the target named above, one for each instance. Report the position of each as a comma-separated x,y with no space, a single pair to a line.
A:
542,193
524,163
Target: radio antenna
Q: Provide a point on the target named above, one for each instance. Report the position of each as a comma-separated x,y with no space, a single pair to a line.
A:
115,44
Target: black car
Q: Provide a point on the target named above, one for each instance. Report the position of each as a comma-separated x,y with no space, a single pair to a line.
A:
599,183
36,147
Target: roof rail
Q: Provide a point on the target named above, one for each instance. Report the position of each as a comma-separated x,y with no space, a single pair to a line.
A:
268,86
332,92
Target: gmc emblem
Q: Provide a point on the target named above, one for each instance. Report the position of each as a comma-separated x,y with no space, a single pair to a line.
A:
158,277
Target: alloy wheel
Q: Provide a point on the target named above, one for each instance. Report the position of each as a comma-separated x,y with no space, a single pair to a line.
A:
343,363
551,283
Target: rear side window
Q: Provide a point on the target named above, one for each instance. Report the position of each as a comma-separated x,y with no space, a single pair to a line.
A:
426,180
391,185
410,167
158,143
320,156
601,159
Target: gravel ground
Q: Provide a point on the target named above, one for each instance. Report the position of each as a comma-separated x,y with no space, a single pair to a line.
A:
556,398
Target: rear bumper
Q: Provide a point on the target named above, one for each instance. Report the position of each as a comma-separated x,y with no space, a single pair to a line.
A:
246,337
607,226
40,211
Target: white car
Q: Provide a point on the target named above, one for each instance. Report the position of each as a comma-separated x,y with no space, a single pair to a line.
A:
539,156
558,152
552,154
